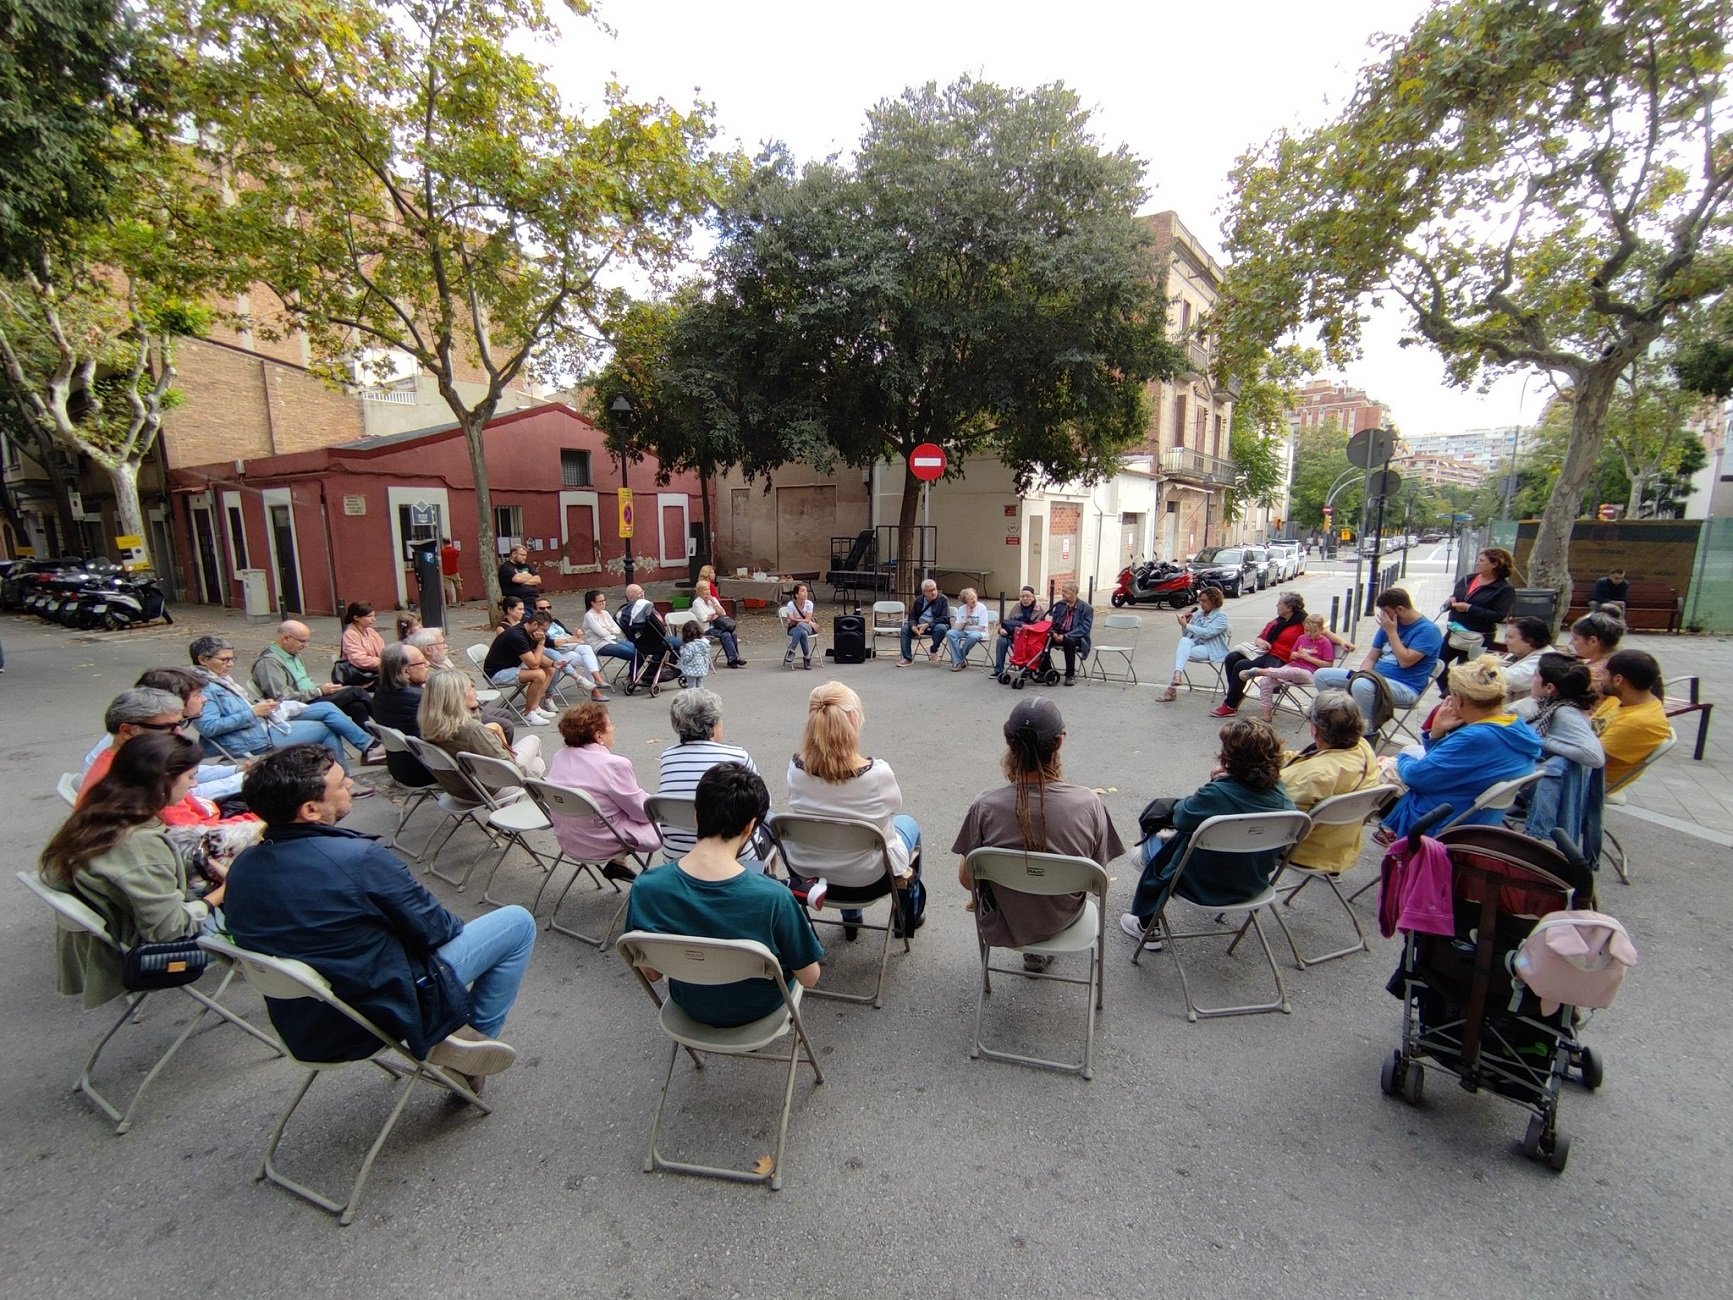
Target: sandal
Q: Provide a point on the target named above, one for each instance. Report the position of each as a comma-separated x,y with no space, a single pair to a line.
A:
1168,696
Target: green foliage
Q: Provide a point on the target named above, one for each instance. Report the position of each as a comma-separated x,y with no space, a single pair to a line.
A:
1269,390
1538,184
1320,458
978,279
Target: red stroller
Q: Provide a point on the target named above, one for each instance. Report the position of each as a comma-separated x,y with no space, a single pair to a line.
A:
1030,660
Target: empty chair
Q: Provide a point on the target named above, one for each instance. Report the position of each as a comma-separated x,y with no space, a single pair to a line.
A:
72,913
797,835
694,960
510,816
472,807
1048,874
411,794
1118,646
1260,833
284,979
887,620
1351,809
563,801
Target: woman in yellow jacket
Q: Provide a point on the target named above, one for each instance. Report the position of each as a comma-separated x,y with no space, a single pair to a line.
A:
1339,761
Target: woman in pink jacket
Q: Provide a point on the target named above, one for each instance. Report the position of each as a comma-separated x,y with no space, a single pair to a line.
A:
588,763
361,645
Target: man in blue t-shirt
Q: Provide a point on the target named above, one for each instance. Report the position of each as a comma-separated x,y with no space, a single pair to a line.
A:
1404,653
709,894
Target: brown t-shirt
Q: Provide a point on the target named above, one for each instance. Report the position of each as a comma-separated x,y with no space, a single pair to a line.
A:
1075,823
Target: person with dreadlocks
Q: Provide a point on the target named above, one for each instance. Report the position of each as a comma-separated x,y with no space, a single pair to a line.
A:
1039,811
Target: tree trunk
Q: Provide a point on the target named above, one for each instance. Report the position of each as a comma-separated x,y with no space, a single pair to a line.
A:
473,425
1549,562
1634,506
706,522
129,512
908,517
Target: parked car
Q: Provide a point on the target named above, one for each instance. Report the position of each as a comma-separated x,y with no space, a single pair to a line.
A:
1229,567
1260,559
1430,538
1289,558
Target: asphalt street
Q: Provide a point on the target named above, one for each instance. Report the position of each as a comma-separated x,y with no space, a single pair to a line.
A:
1245,1156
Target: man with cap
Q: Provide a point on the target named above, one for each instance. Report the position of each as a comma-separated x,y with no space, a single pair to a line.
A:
1026,610
1040,811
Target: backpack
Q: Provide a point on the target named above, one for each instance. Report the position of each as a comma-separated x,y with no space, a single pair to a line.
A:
1576,958
1383,703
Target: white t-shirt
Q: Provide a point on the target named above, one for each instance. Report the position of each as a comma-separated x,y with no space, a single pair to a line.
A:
871,795
792,614
705,612
979,619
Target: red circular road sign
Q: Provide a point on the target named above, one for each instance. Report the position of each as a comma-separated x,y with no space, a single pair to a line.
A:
927,462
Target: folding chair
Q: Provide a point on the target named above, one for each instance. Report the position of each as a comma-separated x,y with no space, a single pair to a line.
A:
510,816
1500,796
564,801
1131,623
513,694
672,812
1238,833
1353,808
796,836
1046,874
720,961
279,977
1295,698
888,616
984,646
413,796
472,808
1218,675
1611,849
678,619
74,914
67,788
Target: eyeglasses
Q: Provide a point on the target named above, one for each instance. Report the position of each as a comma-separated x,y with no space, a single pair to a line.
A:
222,659
159,726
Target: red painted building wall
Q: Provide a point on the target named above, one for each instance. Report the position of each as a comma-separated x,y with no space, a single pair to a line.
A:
342,513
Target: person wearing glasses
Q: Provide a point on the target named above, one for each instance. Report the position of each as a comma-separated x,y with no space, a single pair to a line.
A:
279,674
236,724
136,712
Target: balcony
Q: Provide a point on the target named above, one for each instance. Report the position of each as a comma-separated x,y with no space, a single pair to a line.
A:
1195,467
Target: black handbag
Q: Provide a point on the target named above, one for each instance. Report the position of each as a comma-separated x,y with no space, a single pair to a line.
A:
148,967
722,623
1157,815
345,673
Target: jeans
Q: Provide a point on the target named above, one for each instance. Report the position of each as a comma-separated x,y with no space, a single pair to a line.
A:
800,638
578,657
1188,651
960,639
324,724
730,647
616,650
490,955
935,632
1364,693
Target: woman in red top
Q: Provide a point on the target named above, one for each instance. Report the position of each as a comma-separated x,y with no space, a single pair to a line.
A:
1277,641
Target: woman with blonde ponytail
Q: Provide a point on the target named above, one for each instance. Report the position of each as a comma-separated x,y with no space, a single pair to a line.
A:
830,777
1474,742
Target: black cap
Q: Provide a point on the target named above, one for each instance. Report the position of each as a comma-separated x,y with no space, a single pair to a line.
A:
1038,717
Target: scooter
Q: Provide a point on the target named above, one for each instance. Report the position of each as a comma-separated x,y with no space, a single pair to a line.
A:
1155,582
134,601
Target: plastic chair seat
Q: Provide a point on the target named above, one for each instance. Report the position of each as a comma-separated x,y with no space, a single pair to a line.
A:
1079,936
754,1034
519,818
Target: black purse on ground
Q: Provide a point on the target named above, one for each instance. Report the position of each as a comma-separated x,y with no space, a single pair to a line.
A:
148,967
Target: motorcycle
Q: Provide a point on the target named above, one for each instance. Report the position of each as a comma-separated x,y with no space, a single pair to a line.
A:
1155,582
131,602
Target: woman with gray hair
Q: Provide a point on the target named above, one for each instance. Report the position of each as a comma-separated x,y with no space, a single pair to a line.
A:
1338,761
698,747
238,724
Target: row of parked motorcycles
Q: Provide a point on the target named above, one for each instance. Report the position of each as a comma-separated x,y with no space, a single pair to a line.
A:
1155,582
98,593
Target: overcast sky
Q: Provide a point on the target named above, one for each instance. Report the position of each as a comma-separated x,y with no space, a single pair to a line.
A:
1187,87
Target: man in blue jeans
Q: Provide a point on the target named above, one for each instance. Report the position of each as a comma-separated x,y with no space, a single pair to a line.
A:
344,904
1404,652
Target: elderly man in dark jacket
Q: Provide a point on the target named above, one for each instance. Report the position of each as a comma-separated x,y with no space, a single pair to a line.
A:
344,904
1073,625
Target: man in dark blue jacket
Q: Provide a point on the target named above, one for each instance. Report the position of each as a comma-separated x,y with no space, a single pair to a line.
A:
344,904
1073,625
930,618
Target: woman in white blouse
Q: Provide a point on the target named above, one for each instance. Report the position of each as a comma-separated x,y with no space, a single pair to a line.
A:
707,609
802,627
830,777
601,633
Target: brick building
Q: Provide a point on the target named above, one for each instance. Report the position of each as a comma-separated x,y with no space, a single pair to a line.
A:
1351,409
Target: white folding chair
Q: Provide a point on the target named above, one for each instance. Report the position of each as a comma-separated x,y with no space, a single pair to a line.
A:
513,694
797,837
887,620
984,646
1046,874
564,801
67,788
1116,623
677,619
1351,809
510,816
1611,849
471,807
672,812
411,797
1218,677
1500,796
287,980
693,960
1268,832
74,914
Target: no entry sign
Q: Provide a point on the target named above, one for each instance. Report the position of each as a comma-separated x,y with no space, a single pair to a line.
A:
927,462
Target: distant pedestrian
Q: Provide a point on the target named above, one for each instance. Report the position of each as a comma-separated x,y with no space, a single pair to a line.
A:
450,560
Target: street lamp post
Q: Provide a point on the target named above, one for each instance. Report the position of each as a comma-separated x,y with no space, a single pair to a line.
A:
621,407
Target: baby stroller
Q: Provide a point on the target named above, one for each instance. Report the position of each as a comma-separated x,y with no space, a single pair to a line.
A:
1030,660
1462,1009
654,660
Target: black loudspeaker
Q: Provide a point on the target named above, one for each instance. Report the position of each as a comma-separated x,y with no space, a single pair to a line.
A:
849,639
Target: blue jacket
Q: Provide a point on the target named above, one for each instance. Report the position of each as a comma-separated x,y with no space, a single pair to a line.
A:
1459,767
1209,633
344,904
1082,623
229,721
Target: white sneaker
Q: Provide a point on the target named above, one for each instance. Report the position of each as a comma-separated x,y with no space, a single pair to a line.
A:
538,718
1134,927
816,891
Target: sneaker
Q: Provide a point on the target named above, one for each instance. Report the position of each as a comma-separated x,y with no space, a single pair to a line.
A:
1037,961
1223,711
788,660
806,664
539,717
469,1053
374,756
1071,681
816,891
1133,926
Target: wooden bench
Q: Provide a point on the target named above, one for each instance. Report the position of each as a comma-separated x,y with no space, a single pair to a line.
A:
1650,605
1679,705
